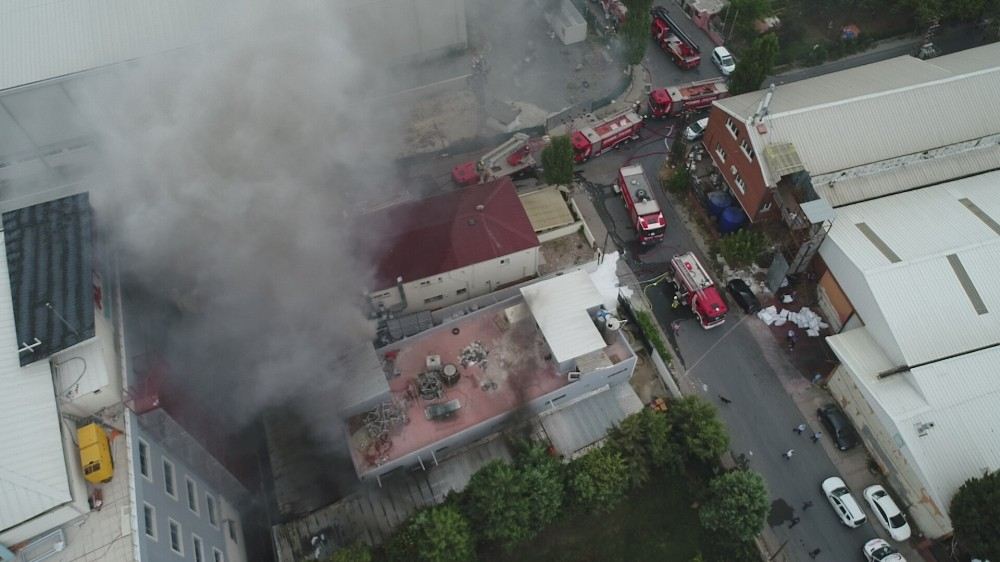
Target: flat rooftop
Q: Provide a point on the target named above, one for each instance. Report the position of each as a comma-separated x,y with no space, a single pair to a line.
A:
502,361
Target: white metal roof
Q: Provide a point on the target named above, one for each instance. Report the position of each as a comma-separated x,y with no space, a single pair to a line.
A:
878,112
929,263
559,306
33,476
959,396
42,39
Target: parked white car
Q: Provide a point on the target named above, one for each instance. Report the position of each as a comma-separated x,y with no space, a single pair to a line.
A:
695,130
887,512
843,502
877,550
722,58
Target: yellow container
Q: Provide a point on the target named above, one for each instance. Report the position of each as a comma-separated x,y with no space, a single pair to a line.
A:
95,453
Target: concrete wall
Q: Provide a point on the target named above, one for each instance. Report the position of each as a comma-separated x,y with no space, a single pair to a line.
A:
724,147
151,490
888,449
462,284
609,376
389,30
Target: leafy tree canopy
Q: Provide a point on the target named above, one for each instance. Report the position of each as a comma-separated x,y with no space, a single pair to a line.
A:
436,534
557,161
737,505
599,480
755,64
975,516
697,429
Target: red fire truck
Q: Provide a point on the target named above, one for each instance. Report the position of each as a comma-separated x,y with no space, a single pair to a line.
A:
681,48
642,207
696,289
609,133
515,157
664,102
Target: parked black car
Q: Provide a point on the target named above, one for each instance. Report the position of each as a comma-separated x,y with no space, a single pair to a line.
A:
839,427
743,295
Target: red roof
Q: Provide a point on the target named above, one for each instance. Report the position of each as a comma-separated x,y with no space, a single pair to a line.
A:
439,234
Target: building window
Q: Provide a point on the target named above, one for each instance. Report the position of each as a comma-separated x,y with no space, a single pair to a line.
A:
199,549
144,460
176,544
434,299
231,526
425,283
739,183
747,149
213,516
192,494
504,261
169,486
732,128
149,520
217,555
720,151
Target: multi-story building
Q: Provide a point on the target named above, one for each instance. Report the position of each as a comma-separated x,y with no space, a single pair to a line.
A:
452,247
917,286
66,387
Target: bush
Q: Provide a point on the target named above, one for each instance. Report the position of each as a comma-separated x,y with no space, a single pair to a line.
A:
557,161
697,429
652,333
742,247
975,515
756,63
599,480
435,534
736,507
679,181
509,504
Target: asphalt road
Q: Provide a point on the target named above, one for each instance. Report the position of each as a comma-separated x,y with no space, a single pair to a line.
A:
741,361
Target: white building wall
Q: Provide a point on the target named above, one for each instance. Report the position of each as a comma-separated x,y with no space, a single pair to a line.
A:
407,29
890,451
461,284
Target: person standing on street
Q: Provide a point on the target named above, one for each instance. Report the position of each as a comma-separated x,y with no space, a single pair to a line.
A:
791,340
816,436
788,454
800,428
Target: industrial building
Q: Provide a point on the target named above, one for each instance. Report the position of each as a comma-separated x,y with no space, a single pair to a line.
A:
450,248
94,470
858,134
914,280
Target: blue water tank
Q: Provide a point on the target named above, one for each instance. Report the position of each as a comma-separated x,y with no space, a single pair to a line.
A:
731,219
718,201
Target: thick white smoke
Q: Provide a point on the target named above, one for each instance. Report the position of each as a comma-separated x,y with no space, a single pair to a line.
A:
235,170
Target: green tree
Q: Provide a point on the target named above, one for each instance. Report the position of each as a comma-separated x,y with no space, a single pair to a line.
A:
744,14
975,516
357,552
557,161
742,247
599,480
509,504
644,442
436,534
635,32
736,506
680,180
755,65
696,428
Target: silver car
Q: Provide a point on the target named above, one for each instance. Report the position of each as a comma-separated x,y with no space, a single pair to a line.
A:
695,130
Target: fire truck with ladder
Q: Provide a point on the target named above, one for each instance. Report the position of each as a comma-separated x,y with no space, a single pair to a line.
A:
642,207
681,48
611,132
664,102
513,158
696,290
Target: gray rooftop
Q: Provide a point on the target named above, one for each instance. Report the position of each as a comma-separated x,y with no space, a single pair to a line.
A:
50,260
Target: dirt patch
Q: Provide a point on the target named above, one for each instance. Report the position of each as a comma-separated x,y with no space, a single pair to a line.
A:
646,381
441,120
565,252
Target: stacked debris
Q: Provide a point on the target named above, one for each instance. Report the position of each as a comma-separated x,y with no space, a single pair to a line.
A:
473,354
805,318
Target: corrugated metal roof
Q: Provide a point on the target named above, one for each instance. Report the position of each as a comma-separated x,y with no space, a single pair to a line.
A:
559,306
33,475
586,422
881,111
547,209
942,296
43,39
51,272
959,396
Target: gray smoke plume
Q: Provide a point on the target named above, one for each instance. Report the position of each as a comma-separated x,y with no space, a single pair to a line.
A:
235,171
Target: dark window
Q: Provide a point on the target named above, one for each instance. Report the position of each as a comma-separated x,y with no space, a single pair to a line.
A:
434,299
213,517
192,495
168,479
144,459
175,537
149,521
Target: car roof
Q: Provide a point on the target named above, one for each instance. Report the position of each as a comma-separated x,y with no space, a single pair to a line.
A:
703,122
888,506
721,51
